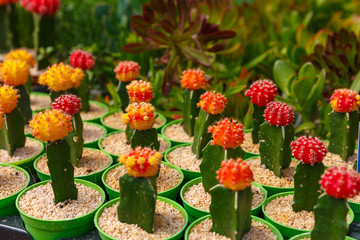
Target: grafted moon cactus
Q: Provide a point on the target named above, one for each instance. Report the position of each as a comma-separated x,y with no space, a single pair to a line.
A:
140,91
261,93
331,210
21,54
344,122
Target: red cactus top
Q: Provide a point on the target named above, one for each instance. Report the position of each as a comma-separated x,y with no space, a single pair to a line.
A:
262,92
140,91
340,182
193,79
127,71
82,59
235,175
308,149
279,114
42,7
344,100
227,134
212,102
69,103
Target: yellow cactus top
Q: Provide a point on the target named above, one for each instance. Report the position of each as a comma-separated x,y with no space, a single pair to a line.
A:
21,54
139,116
51,125
8,99
14,72
142,162
1,120
61,77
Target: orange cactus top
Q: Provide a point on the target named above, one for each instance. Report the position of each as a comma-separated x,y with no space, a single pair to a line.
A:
142,162
140,91
127,71
139,116
21,54
14,72
212,102
227,134
1,120
61,77
8,99
193,79
235,175
344,100
51,125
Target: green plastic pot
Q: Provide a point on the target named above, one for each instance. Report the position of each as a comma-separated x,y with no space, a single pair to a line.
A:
95,143
93,177
198,213
171,193
273,228
177,236
307,235
115,157
111,129
250,154
99,104
189,175
41,229
285,230
356,209
7,205
42,95
173,142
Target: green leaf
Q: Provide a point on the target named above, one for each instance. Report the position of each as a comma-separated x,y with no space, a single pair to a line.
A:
308,70
300,88
283,72
256,61
317,89
196,54
304,127
112,89
356,83
234,90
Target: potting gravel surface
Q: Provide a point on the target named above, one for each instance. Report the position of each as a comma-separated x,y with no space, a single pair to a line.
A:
266,177
91,161
167,222
184,158
11,181
197,197
168,178
92,132
248,144
38,102
332,159
176,132
39,203
95,112
114,121
31,149
117,144
258,231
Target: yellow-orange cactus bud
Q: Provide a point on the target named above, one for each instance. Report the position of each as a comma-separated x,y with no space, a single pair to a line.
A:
139,116
51,125
142,162
345,100
127,71
61,77
1,120
14,72
193,79
227,134
21,54
212,102
235,175
140,91
8,99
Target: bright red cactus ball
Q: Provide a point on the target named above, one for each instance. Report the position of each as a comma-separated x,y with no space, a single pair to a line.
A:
262,92
70,104
43,7
340,182
82,59
279,114
308,150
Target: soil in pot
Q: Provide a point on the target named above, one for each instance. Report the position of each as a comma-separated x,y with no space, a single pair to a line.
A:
176,132
332,159
248,145
92,132
31,149
96,111
39,102
11,181
182,157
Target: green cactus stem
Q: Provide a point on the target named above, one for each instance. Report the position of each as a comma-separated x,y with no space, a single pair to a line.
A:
201,134
137,201
230,211
343,130
128,133
123,94
212,158
191,111
24,103
307,186
145,138
61,171
75,139
275,151
4,29
84,93
12,134
330,218
258,117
